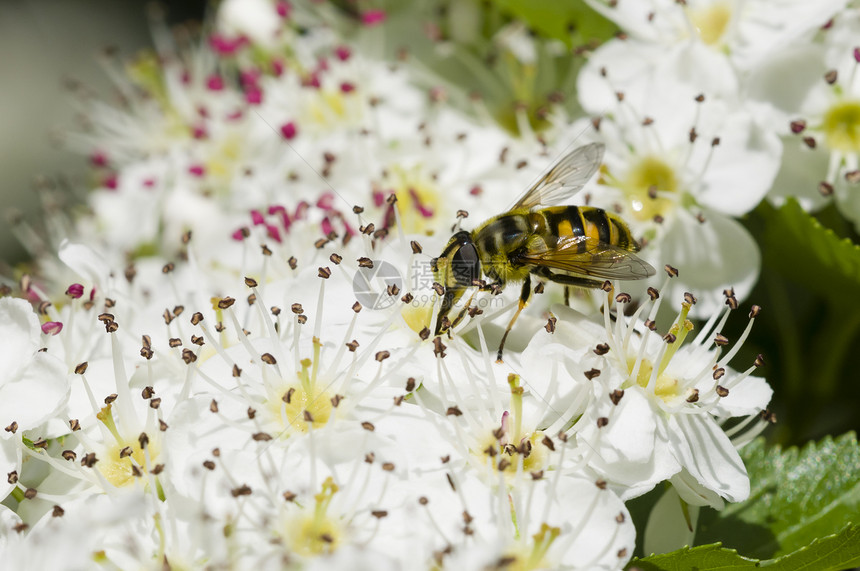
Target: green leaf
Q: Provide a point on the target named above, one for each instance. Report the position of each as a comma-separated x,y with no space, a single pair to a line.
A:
838,551
796,497
799,246
703,557
560,20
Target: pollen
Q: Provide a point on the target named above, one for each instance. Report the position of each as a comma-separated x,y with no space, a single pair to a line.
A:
712,22
841,126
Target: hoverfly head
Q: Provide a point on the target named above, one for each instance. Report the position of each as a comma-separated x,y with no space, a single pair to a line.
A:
459,264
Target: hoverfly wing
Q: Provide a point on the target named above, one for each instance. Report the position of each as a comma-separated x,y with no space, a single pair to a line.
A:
564,179
590,257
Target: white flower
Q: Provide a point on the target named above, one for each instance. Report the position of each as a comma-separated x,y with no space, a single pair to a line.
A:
678,166
33,384
657,403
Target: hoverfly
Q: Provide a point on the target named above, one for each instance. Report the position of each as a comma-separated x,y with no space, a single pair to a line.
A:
578,246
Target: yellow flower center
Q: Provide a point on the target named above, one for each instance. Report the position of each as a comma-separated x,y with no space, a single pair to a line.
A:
666,387
298,408
711,22
116,466
418,199
314,531
649,176
841,126
506,458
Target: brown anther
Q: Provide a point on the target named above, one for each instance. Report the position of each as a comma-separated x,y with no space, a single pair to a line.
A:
388,466
226,302
694,396
335,400
722,391
243,490
539,288
475,310
650,324
852,177
261,436
619,95
174,342
550,324
547,441
368,230
424,334
670,338
250,282
162,426
768,416
155,403
755,310
382,355
562,435
87,461
324,273
398,400
653,293
293,263
307,416
410,384
369,458
616,396
104,317
392,290
810,142
335,259
168,267
12,477
690,298
825,188
453,411
700,98
673,272
237,372
352,345
831,76
69,455
57,511
602,421
188,356
591,374
407,298
30,493
601,349
718,373
110,398
623,298
759,360
437,287
600,483
320,243
81,368
693,135
606,286
74,424
213,406
197,340
126,452
503,464
439,347
721,340
715,141
732,302
196,318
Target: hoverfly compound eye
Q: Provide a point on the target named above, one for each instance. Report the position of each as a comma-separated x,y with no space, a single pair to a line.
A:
466,265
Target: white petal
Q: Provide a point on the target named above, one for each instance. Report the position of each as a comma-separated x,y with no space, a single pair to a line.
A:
84,261
667,528
801,171
710,256
750,396
708,454
19,337
37,394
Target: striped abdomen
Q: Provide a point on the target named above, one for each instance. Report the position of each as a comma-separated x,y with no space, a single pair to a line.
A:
559,221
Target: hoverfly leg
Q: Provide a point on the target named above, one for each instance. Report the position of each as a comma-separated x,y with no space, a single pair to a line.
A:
463,311
524,299
567,296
